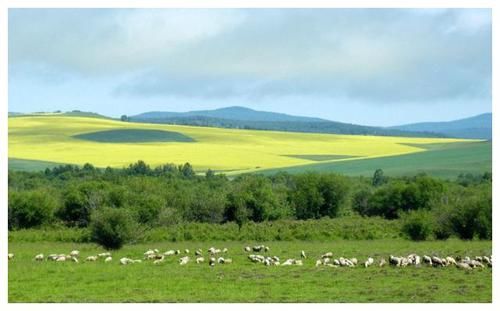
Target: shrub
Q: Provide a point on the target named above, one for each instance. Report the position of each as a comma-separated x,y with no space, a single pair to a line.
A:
417,225
29,209
112,227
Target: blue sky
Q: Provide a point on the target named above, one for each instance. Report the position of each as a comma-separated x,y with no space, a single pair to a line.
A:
365,66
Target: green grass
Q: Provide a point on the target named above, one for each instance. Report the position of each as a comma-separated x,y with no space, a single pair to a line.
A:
320,157
243,281
30,165
440,160
134,136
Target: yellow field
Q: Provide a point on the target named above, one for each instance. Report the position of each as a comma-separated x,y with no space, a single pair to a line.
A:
49,138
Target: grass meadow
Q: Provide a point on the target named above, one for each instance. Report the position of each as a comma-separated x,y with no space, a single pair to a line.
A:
243,281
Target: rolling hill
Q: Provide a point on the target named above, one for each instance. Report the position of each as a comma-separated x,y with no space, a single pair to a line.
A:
245,118
479,127
105,142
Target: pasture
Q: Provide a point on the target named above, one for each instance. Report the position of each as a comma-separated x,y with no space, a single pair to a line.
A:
244,281
104,142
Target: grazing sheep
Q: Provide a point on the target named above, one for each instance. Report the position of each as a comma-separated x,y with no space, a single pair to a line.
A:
395,261
354,261
427,259
169,253
327,255
158,261
74,259
266,249
108,259
126,261
148,253
200,260
107,254
186,251
463,265
184,260
91,258
450,261
382,262
212,261
39,257
52,257
369,262
436,261
224,250
298,262
475,264
220,260
288,262
303,255
198,252
10,256
335,261
61,258
318,263
74,253
137,261
247,249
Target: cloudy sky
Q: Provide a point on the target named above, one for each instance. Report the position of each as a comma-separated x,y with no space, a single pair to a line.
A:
366,66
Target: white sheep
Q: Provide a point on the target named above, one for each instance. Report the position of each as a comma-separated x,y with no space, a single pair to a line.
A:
303,254
74,253
108,259
382,262
52,257
186,251
200,260
169,253
107,254
61,258
39,257
247,249
183,260
369,262
327,255
198,252
450,261
91,258
74,259
158,261
212,261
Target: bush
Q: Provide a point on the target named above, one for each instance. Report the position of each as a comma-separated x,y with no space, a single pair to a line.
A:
29,209
417,225
472,215
112,227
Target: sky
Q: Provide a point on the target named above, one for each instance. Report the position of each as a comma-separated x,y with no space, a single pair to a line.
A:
365,66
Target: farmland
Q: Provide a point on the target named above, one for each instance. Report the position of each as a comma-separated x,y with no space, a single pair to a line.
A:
104,142
244,281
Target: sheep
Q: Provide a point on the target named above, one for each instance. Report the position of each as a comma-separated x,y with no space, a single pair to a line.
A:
212,261
354,261
288,262
428,260
327,255
198,252
200,260
318,263
475,264
39,257
220,260
247,249
169,253
382,262
450,261
303,254
126,261
395,261
137,261
186,251
436,261
61,258
52,257
298,262
91,258
177,252
74,259
184,260
107,254
108,259
224,250
368,262
148,253
335,261
158,261
74,253
463,265
266,249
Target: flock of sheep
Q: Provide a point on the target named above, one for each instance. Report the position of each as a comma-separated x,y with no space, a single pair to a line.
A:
327,259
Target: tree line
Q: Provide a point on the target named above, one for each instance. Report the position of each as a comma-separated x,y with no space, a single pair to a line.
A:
115,202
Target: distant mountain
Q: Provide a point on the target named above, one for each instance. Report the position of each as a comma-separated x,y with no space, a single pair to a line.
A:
245,118
479,127
12,113
229,113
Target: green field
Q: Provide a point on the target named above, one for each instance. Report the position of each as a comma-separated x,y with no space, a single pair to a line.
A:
58,139
442,160
244,281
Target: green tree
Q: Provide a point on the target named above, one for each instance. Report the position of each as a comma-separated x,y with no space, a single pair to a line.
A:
112,227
